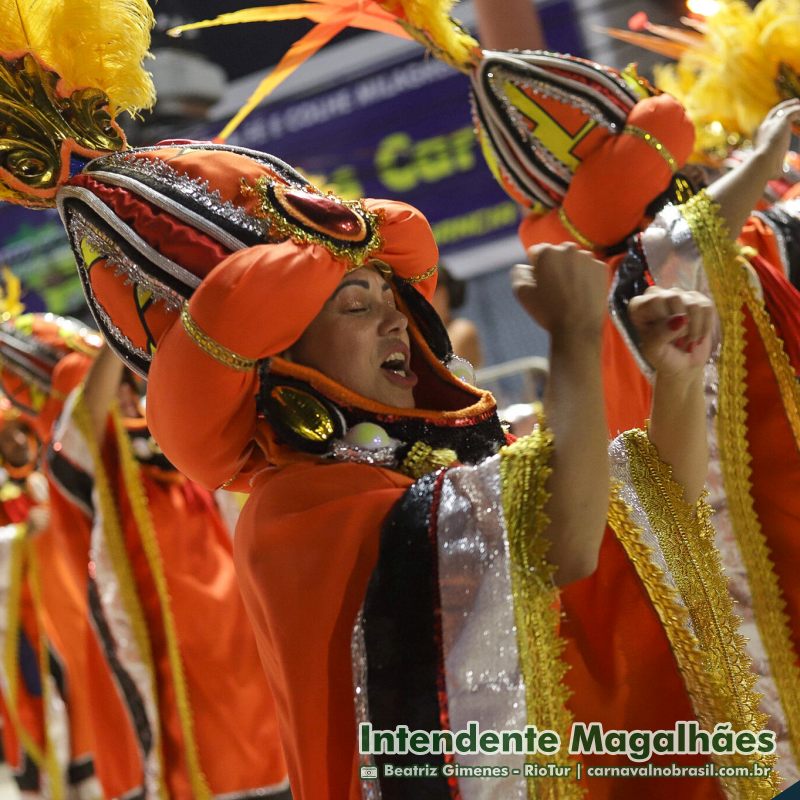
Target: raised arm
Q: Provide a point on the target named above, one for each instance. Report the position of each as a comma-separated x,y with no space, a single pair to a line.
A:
100,388
564,291
674,329
739,190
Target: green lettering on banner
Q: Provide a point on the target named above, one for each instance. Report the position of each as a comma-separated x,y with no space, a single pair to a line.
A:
476,223
403,164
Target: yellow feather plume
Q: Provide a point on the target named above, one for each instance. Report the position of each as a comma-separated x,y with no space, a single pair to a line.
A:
729,79
428,21
431,23
90,43
10,305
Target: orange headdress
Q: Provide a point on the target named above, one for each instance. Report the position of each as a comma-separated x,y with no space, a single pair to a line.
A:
584,147
67,69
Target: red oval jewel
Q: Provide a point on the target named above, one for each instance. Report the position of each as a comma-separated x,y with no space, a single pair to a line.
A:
322,214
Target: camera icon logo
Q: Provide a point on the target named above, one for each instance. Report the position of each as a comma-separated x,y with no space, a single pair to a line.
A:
369,773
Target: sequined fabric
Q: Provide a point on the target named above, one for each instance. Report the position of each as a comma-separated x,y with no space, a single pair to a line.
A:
479,637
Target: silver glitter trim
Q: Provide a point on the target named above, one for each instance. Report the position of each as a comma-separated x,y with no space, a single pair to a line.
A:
620,463
483,676
619,324
124,264
172,207
379,457
195,188
370,790
671,253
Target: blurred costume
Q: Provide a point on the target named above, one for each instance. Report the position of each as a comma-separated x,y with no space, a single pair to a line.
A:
404,545
30,673
82,64
166,604
42,357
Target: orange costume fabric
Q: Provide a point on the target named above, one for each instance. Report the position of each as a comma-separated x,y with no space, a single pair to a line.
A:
163,555
227,409
101,742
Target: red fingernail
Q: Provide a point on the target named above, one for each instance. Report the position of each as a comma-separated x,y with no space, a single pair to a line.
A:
678,321
691,347
682,342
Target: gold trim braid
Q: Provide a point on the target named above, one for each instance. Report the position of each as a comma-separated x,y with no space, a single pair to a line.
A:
212,347
114,540
686,539
524,470
703,688
144,523
655,143
730,289
582,240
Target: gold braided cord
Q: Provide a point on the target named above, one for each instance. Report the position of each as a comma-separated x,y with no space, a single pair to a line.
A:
114,541
212,347
144,523
703,688
686,538
587,244
423,276
422,459
56,786
655,143
729,288
10,662
778,360
524,470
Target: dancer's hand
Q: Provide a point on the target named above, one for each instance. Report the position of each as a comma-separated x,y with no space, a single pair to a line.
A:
564,289
674,329
775,133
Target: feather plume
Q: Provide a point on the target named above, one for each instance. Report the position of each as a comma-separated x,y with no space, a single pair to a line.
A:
428,21
744,62
90,43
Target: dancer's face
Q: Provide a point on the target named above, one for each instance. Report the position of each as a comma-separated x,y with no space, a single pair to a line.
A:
360,340
15,443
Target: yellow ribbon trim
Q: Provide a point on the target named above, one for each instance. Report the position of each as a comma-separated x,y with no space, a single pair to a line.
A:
212,347
686,538
707,695
524,470
731,290
115,543
56,786
141,514
587,244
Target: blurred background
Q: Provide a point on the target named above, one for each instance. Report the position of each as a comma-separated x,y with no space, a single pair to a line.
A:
370,115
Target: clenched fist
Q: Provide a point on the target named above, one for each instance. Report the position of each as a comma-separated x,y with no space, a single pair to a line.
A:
674,329
564,289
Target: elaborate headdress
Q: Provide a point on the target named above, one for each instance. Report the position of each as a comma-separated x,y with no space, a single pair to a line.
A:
42,358
732,67
67,69
560,134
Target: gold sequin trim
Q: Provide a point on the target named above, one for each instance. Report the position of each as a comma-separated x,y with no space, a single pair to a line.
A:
524,470
655,143
686,538
729,287
423,276
708,697
587,244
114,541
212,347
144,524
422,459
281,226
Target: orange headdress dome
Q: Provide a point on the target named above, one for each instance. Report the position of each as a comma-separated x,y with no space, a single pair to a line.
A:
42,358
